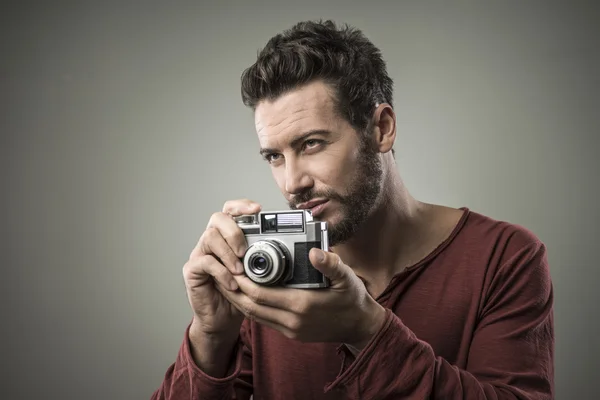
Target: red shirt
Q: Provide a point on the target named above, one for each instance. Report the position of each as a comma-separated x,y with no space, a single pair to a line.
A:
473,320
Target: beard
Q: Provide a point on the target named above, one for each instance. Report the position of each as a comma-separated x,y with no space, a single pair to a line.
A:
360,200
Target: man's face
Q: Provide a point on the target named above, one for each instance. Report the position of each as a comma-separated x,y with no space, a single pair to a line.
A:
318,160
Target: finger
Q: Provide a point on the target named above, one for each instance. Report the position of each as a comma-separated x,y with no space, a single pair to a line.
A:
274,316
288,332
196,271
216,244
287,299
240,207
230,231
330,265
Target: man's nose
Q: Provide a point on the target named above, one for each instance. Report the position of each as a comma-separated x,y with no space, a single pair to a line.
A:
296,179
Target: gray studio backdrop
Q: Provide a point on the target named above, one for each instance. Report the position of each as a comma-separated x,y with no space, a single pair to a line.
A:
123,130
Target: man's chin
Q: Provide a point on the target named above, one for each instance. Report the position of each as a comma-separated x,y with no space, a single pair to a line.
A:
334,221
331,214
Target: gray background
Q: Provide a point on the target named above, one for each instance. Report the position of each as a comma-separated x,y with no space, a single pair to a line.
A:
123,130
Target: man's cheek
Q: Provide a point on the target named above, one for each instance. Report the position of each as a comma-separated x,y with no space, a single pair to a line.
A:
326,172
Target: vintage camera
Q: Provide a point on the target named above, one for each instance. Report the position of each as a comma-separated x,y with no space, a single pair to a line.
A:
278,247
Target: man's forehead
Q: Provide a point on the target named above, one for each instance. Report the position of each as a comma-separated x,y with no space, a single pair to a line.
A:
309,107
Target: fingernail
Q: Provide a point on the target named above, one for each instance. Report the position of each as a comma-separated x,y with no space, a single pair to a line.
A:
233,285
321,256
239,267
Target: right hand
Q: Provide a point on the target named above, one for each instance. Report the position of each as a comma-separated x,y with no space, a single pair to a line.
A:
213,262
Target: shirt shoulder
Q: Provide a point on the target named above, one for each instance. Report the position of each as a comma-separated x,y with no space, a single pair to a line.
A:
499,240
484,253
501,256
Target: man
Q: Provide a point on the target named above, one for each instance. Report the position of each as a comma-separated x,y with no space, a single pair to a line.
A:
426,301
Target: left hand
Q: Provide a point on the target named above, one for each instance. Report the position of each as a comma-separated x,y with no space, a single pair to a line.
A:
345,312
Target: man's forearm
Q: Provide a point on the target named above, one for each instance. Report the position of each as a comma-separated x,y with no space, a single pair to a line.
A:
211,354
397,364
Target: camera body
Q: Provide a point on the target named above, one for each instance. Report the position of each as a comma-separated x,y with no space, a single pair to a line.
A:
278,247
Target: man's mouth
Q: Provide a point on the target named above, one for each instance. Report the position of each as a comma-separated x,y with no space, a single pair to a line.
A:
315,206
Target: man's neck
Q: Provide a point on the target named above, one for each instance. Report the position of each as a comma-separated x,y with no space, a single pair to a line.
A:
397,234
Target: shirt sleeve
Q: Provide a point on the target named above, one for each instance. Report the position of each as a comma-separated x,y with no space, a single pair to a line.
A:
511,354
185,381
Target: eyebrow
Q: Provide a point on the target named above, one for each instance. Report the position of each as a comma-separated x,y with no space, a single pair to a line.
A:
297,140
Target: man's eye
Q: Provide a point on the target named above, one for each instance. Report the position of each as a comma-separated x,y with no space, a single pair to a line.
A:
272,157
311,143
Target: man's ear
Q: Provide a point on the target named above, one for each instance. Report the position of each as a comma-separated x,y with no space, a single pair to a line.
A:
384,127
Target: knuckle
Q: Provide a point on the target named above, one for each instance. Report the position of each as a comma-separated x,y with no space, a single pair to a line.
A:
237,241
217,271
222,275
256,296
211,232
294,324
201,247
231,207
231,236
193,266
293,335
226,205
188,277
332,258
229,257
211,220
301,306
208,238
189,266
186,271
249,310
228,251
201,261
216,216
235,207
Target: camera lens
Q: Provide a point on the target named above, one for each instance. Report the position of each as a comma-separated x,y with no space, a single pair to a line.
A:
266,262
260,263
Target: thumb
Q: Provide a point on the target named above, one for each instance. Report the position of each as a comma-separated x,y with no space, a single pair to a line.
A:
329,264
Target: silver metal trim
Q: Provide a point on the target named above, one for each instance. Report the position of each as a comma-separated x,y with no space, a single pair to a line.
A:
307,285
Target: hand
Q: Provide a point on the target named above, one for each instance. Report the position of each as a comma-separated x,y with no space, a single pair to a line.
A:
210,269
344,312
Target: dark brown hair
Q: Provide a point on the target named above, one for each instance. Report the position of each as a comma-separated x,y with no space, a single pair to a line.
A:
342,57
